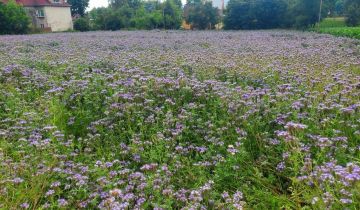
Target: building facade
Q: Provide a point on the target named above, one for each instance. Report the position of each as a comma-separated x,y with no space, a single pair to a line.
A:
49,15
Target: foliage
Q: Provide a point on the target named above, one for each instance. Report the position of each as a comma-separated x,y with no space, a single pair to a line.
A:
134,4
13,19
260,14
332,22
351,32
82,24
97,18
337,27
171,15
305,13
78,7
352,10
339,7
201,14
141,15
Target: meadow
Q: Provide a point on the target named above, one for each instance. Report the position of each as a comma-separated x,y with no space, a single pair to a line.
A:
180,120
337,27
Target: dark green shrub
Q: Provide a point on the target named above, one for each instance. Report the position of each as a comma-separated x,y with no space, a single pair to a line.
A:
82,24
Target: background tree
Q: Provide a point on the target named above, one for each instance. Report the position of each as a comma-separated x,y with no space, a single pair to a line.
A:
260,14
97,17
171,15
352,12
13,18
237,15
148,16
134,4
82,24
201,14
78,7
339,7
328,8
305,13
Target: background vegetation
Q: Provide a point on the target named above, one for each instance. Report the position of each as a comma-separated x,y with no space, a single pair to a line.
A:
239,14
337,27
13,19
198,14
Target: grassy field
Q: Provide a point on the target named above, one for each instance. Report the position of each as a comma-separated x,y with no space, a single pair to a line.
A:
179,120
337,27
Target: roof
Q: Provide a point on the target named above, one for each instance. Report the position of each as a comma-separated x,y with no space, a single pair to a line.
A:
37,3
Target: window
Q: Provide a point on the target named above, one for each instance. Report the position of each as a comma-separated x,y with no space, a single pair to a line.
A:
42,26
40,13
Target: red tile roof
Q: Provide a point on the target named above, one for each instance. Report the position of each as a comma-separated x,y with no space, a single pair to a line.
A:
34,3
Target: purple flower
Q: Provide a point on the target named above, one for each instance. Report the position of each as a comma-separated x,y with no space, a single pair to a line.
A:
49,193
62,202
345,201
18,180
281,166
295,126
55,184
25,205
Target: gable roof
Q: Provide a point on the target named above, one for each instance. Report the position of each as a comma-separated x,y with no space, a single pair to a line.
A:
37,3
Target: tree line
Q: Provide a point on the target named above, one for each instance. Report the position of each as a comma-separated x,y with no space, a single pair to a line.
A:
265,14
136,14
198,14
201,14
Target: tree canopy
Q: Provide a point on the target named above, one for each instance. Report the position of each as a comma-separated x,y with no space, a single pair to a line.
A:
13,18
78,7
137,14
352,12
259,14
201,14
265,14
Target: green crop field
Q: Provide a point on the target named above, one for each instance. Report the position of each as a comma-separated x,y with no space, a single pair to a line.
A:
337,27
351,32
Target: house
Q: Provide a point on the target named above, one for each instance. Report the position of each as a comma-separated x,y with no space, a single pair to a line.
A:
49,15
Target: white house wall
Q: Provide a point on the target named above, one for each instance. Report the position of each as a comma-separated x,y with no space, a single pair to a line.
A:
58,18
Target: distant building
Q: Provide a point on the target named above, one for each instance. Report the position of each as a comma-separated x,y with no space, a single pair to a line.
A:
48,15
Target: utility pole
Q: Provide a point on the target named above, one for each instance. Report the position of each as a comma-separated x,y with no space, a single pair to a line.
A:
321,3
222,7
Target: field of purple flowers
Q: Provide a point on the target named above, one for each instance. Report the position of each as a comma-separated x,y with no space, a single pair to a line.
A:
179,120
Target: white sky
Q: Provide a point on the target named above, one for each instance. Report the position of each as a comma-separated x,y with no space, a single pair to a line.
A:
97,3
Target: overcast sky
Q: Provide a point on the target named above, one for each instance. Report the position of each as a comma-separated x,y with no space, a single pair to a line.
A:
97,3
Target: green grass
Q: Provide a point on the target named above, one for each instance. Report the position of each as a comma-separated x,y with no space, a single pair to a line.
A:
352,32
337,27
332,23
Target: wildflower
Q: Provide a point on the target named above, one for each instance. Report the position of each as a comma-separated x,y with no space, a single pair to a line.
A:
345,200
25,205
62,202
295,126
49,193
281,166
232,150
55,184
18,180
